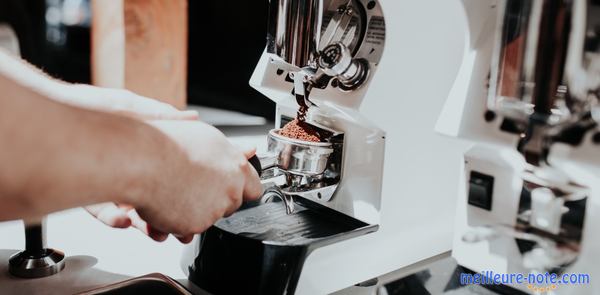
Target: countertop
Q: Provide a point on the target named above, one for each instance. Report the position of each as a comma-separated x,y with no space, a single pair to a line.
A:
96,255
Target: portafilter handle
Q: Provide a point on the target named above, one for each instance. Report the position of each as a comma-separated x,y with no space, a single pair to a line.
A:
255,162
263,162
269,161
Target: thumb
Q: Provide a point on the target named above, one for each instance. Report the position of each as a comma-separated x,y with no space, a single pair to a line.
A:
249,152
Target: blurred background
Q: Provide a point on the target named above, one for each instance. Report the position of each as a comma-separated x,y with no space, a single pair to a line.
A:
225,42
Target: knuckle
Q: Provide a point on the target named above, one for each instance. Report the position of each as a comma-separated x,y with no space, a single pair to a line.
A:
238,202
193,230
182,230
233,193
243,165
235,205
216,215
198,228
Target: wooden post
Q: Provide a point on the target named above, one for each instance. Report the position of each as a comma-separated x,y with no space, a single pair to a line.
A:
141,45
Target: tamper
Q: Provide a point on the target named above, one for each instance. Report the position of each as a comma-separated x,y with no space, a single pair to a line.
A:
36,260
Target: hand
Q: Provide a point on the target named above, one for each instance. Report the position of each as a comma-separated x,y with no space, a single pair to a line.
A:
123,102
213,183
125,216
129,104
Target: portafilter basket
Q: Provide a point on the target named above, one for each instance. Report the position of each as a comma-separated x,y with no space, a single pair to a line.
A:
295,156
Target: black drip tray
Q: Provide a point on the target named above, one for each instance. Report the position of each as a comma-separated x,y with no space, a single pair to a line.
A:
261,249
270,223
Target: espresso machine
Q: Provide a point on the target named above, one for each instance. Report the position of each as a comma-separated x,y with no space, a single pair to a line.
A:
527,95
341,212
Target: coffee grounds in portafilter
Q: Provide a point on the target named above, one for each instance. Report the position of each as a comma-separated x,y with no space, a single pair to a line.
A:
300,131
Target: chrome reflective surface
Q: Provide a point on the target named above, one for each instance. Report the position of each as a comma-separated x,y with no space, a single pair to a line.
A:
36,261
295,156
299,168
294,30
528,66
336,61
274,193
322,44
546,61
584,62
299,32
26,265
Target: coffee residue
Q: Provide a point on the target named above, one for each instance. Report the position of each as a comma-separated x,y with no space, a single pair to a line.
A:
300,130
301,114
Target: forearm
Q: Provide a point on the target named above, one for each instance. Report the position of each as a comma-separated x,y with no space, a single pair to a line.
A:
79,95
55,157
23,73
116,101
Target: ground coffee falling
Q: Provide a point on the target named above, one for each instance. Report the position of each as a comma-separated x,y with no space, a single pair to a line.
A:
300,130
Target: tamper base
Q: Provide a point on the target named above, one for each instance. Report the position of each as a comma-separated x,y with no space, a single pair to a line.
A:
26,265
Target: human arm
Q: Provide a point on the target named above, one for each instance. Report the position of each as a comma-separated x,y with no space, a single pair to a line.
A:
56,156
117,101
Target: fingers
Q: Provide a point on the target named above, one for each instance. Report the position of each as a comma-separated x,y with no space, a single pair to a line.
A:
144,227
153,233
110,214
249,152
125,207
124,216
253,187
156,234
233,207
184,239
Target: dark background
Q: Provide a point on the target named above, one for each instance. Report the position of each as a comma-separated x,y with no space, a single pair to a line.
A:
226,40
